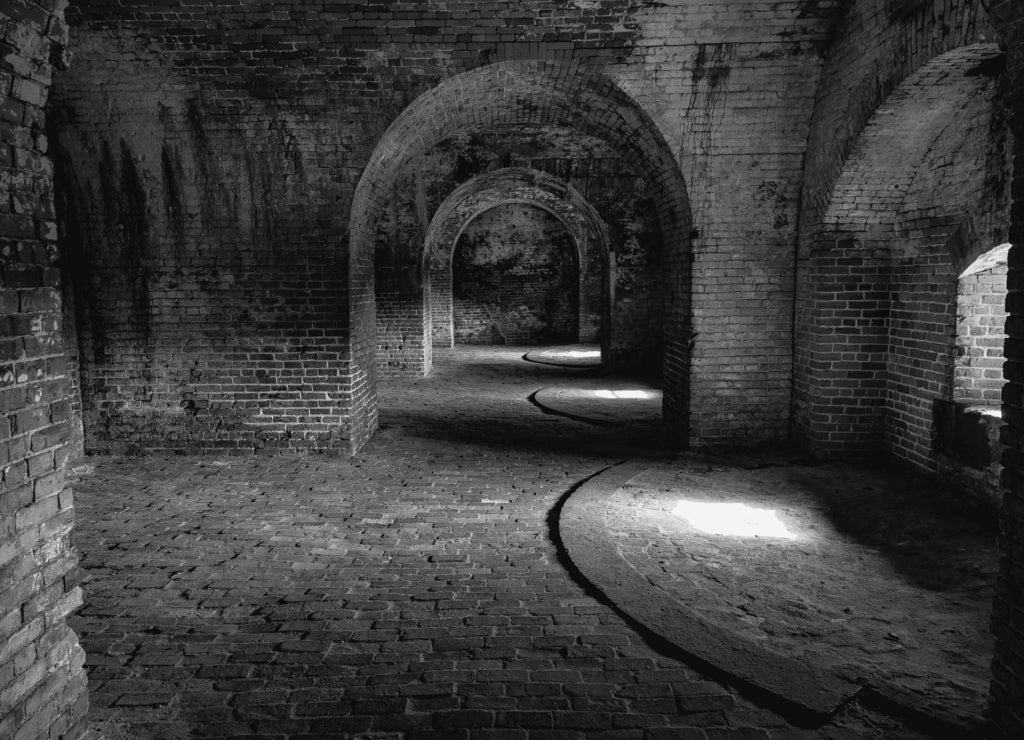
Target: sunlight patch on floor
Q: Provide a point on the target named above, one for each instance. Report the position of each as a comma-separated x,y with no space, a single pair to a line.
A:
733,519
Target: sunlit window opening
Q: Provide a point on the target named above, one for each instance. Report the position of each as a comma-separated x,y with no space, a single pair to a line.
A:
980,324
733,519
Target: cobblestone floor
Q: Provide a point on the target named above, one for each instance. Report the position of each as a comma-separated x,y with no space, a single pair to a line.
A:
415,591
870,577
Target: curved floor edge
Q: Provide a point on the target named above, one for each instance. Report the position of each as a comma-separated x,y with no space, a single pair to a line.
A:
791,686
563,356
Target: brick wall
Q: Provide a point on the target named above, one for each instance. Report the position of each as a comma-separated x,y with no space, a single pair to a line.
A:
233,141
224,171
516,279
76,432
741,152
548,93
42,681
403,314
433,195
952,211
209,280
1008,615
914,177
527,186
903,278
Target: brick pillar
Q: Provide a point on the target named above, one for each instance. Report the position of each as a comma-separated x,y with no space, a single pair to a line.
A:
42,680
403,324
840,392
1008,616
441,308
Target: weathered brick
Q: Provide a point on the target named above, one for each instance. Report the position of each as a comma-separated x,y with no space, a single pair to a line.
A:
231,189
44,696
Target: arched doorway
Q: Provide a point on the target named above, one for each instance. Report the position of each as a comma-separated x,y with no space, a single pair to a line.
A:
876,319
540,190
516,279
527,92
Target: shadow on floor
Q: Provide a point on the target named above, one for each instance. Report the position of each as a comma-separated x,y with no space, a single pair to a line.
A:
866,576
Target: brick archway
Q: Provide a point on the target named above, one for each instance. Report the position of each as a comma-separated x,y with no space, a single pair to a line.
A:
857,81
875,330
1007,694
517,185
536,92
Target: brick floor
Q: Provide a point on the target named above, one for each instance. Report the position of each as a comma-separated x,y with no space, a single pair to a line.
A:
415,591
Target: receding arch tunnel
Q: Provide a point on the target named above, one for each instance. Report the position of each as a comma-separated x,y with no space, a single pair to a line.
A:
537,92
222,223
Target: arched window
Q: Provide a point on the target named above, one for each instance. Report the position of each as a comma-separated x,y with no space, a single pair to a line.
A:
980,330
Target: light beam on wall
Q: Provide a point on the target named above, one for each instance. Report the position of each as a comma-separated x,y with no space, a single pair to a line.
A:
733,519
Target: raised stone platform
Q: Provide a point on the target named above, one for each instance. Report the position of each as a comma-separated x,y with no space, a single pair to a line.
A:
606,402
806,584
586,356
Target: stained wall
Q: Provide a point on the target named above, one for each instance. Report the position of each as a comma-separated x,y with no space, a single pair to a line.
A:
516,279
562,161
222,170
907,181
210,156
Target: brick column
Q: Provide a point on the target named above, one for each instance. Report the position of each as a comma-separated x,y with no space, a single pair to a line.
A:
1008,616
42,680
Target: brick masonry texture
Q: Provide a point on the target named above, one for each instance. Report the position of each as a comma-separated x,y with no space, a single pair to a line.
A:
978,360
434,201
217,164
516,279
886,228
590,233
812,176
42,680
556,94
1008,619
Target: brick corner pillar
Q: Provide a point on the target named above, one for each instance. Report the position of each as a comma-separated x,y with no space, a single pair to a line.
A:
42,676
1007,690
